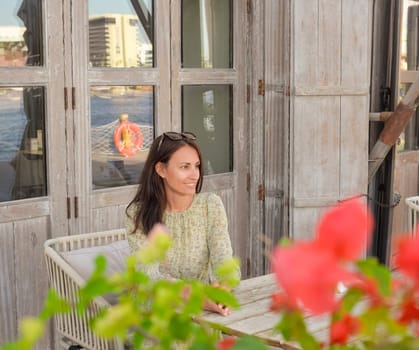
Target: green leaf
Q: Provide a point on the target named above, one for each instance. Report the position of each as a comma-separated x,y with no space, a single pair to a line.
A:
156,249
116,321
227,273
249,343
292,327
54,304
31,330
370,267
180,327
349,300
221,296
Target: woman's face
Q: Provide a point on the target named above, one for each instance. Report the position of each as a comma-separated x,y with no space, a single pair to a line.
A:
181,173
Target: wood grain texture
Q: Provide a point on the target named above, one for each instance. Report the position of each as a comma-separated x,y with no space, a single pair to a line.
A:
8,321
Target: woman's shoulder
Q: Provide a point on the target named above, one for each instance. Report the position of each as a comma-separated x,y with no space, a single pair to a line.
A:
207,197
208,200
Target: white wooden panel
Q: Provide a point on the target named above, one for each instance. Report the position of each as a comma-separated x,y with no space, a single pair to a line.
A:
356,26
305,220
329,43
329,106
28,208
108,218
31,282
8,329
305,37
354,146
316,146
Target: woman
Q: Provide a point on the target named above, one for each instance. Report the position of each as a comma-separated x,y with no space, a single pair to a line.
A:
169,193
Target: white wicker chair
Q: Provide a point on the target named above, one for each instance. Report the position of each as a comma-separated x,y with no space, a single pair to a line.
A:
413,213
66,281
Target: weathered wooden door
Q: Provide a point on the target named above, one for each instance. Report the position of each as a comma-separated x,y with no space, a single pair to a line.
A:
330,81
168,65
33,155
269,81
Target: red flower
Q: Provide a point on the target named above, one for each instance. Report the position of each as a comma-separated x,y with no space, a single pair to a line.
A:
407,259
281,301
410,311
226,343
345,230
308,276
341,330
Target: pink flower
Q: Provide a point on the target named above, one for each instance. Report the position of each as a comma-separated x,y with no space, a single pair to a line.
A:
309,272
407,259
345,230
308,276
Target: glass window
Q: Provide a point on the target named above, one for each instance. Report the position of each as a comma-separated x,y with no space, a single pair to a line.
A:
122,119
405,181
21,39
206,34
207,112
121,33
409,71
22,140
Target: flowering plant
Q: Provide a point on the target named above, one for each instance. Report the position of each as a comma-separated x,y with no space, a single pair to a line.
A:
365,305
361,304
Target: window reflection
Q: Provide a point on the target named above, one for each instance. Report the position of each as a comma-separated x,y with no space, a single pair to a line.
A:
207,112
206,33
22,151
121,33
122,119
21,39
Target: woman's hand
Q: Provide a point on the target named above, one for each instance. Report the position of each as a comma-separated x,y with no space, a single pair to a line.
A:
209,305
218,308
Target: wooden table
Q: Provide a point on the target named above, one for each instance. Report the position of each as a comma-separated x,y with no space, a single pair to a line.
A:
254,317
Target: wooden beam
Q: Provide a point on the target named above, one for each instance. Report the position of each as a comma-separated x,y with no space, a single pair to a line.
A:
393,128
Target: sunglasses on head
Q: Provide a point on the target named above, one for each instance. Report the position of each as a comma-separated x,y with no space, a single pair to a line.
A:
176,136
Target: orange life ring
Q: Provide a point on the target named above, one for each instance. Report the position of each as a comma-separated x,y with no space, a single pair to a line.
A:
128,138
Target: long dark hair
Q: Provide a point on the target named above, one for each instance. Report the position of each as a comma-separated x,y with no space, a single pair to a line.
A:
150,199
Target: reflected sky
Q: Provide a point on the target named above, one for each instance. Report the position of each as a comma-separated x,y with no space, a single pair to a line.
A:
9,8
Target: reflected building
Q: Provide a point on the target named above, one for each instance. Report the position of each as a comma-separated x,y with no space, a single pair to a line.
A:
13,49
114,41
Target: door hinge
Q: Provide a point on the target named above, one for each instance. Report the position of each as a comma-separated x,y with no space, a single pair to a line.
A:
76,207
73,98
248,182
248,94
68,208
65,99
261,87
261,192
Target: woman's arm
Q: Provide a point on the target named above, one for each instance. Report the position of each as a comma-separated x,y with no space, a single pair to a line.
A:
219,243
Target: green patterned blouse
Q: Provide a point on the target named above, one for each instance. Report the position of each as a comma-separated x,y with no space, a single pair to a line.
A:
200,240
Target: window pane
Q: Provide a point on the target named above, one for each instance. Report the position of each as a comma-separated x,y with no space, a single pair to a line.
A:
22,155
121,133
121,33
206,34
21,40
409,59
207,112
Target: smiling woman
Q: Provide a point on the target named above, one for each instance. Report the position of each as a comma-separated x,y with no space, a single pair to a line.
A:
169,193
